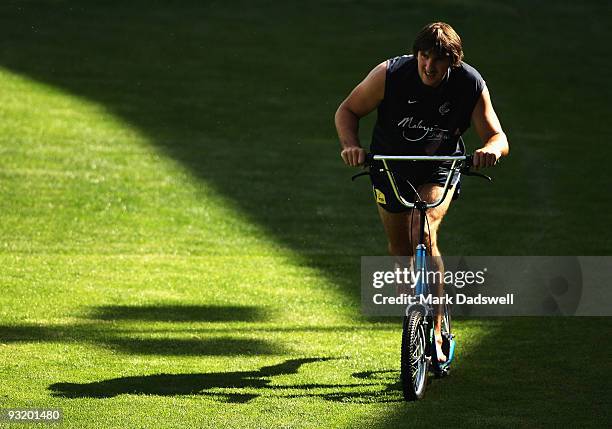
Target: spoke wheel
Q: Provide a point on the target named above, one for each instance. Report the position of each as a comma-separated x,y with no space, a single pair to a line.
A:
414,362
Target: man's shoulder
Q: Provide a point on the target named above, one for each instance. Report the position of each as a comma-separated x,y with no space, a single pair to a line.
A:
401,62
468,73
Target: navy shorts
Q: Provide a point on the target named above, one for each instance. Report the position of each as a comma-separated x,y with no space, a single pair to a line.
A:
416,173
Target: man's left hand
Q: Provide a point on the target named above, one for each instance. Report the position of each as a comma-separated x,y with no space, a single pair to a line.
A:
485,157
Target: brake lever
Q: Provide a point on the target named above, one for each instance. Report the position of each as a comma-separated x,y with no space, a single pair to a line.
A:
368,164
467,172
365,173
466,169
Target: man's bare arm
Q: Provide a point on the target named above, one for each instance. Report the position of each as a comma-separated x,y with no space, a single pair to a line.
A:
488,128
362,100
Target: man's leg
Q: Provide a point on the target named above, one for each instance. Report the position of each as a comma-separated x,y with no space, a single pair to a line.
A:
397,229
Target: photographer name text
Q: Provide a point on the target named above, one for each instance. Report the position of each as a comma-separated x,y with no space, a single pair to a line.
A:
459,299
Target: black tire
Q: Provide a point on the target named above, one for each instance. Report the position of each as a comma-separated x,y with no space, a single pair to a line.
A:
414,363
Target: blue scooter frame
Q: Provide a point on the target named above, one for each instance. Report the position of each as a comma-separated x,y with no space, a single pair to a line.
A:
418,340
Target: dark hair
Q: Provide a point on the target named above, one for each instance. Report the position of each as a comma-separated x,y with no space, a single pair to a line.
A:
442,39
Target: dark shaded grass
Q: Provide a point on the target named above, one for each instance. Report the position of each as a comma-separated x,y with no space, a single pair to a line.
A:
528,372
180,313
126,342
186,384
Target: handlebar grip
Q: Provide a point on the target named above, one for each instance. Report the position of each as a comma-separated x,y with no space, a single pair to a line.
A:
469,161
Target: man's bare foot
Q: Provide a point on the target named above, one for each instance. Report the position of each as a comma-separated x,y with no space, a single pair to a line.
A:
439,353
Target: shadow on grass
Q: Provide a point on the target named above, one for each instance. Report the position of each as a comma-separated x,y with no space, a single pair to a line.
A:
87,332
180,313
199,344
223,346
254,383
34,334
182,384
215,346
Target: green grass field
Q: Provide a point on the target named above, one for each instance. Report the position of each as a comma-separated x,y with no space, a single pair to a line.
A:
180,242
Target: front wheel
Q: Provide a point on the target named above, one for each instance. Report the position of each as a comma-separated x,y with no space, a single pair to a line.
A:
414,363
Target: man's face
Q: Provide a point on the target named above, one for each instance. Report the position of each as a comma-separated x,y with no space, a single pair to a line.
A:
432,68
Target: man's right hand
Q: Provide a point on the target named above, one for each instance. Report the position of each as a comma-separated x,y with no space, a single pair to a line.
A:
353,156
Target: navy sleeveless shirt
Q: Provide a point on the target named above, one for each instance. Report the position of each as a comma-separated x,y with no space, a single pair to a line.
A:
416,119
